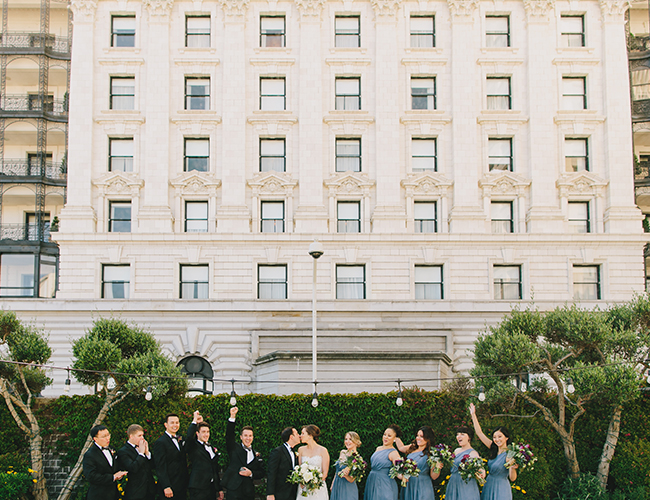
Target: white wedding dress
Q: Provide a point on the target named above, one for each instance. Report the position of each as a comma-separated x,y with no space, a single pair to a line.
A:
320,493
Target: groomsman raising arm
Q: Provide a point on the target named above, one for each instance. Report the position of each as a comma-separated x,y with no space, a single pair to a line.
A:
204,478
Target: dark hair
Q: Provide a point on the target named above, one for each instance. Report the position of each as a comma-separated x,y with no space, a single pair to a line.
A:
95,430
396,429
313,431
466,430
494,449
169,415
286,434
427,434
246,428
201,426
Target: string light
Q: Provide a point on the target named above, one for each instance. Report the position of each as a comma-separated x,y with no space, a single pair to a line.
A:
148,396
570,388
399,401
314,400
66,386
233,396
481,394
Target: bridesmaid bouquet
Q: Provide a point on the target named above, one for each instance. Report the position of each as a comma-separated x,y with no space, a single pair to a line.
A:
441,453
521,455
470,468
307,476
357,466
406,468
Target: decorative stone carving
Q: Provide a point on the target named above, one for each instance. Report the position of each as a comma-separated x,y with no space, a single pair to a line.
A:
83,10
538,8
462,8
349,184
119,184
614,9
385,7
581,184
502,183
272,124
272,183
348,122
158,8
195,183
310,8
234,7
426,184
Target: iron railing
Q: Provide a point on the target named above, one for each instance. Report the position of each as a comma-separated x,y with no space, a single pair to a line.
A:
25,232
33,168
34,43
638,43
37,103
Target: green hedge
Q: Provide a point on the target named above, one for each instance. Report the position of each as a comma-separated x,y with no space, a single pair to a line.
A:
368,414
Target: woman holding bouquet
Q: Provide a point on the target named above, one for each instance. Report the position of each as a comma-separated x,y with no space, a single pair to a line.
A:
379,485
497,486
457,488
420,487
344,486
316,456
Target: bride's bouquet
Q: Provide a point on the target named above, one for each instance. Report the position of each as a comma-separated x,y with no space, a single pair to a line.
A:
357,466
440,453
521,455
470,468
406,468
307,476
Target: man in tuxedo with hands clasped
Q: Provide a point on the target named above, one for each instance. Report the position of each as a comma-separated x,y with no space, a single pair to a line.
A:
135,458
281,463
100,467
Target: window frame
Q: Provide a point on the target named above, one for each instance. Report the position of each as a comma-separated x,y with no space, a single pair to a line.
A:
583,95
346,97
510,220
501,294
186,157
337,34
261,282
441,283
337,155
112,95
498,96
112,220
489,34
262,156
598,283
423,221
199,36
114,35
126,284
190,97
282,36
431,34
586,222
435,154
565,34
196,283
347,222
426,95
510,157
275,221
283,95
186,219
111,157
362,283
585,157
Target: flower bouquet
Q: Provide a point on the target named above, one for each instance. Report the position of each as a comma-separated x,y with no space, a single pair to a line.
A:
441,453
406,468
357,466
521,455
307,476
470,468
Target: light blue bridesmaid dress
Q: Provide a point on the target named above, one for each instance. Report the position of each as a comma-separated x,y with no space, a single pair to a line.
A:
457,489
342,489
379,485
497,485
420,487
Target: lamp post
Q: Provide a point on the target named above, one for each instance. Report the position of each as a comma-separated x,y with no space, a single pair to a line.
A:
315,250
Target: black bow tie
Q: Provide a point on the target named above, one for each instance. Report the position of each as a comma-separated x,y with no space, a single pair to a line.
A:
248,449
104,448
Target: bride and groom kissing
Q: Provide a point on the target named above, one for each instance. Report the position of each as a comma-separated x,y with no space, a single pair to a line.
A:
283,459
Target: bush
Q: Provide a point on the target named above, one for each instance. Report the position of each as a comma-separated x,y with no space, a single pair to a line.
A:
15,482
584,487
630,466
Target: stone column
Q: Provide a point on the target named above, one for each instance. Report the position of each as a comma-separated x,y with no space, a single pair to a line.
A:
233,216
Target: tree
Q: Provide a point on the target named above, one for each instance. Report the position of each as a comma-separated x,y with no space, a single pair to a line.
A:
585,354
20,383
119,360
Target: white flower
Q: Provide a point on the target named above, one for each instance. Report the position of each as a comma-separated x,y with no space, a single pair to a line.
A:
308,476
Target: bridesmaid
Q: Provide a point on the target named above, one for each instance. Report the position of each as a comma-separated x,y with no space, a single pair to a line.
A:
420,487
496,486
345,488
457,489
379,485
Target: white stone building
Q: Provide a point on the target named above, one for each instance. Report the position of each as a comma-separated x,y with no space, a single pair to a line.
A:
454,159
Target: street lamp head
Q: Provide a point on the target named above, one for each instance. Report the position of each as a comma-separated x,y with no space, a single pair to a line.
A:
316,249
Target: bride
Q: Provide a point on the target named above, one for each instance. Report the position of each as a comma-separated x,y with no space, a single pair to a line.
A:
315,455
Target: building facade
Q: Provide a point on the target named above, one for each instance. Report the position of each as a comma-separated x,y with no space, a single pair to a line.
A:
454,159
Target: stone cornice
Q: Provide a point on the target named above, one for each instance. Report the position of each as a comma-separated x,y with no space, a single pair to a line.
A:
158,8
614,10
234,7
83,10
385,7
538,9
310,8
462,9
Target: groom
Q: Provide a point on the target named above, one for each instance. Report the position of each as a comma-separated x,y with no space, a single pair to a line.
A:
281,463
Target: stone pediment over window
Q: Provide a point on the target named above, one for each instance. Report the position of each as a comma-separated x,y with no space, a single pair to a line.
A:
349,183
194,183
272,183
277,123
503,183
425,122
348,122
119,183
581,184
426,184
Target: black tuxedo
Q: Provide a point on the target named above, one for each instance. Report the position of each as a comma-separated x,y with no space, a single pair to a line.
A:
99,474
204,478
240,487
171,467
279,469
140,485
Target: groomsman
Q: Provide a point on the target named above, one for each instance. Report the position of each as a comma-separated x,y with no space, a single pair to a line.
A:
135,458
100,468
204,478
281,463
170,460
245,463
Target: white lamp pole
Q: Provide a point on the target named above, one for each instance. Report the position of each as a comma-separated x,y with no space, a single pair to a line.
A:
315,250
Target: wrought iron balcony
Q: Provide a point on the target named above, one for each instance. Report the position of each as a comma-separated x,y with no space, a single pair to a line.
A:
34,106
25,232
638,43
35,43
642,172
18,169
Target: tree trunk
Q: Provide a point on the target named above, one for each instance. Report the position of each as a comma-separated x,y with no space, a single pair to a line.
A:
35,450
610,445
570,453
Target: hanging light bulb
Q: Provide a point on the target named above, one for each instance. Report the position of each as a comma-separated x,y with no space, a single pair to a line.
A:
570,388
481,394
148,396
524,387
66,386
314,400
399,401
233,396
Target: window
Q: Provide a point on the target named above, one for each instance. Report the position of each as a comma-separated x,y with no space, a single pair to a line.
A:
500,154
497,31
120,156
120,217
428,283
272,94
501,212
194,281
348,155
576,156
348,216
272,217
423,31
347,31
122,93
115,281
574,92
197,93
350,282
423,93
507,282
586,282
348,94
197,31
196,216
640,84
47,278
498,93
579,216
272,31
423,155
425,216
32,227
123,31
573,31
197,155
272,282
272,155
199,373
17,275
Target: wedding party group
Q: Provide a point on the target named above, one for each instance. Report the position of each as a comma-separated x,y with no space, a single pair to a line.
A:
397,471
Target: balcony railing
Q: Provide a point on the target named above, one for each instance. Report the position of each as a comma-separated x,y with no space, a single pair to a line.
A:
34,104
638,43
25,232
27,168
34,43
